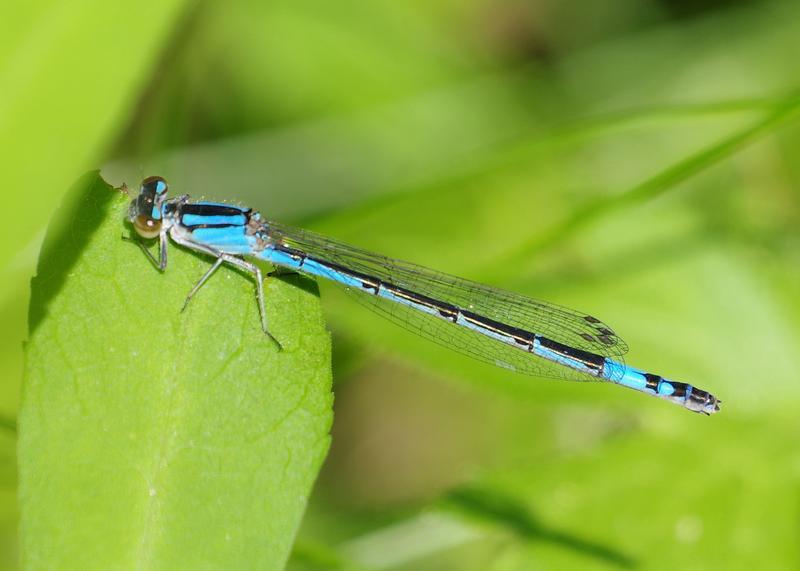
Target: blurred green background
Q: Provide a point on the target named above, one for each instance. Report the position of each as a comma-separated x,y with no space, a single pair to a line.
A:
637,160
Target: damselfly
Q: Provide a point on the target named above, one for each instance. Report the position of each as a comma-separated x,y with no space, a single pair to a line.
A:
503,328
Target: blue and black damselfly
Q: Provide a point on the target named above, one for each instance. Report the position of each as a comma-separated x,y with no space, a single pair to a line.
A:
508,330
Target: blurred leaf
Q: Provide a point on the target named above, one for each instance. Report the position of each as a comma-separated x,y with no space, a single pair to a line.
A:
155,439
449,136
659,183
245,66
502,509
13,316
407,541
309,168
9,512
70,71
705,512
307,555
585,510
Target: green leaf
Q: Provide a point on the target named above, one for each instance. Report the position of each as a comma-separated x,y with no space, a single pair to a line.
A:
154,439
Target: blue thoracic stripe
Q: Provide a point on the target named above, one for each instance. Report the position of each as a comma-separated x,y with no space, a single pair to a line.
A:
233,240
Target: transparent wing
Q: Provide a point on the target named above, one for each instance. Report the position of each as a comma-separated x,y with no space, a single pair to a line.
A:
558,323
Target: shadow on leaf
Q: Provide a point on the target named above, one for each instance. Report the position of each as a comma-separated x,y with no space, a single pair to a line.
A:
501,509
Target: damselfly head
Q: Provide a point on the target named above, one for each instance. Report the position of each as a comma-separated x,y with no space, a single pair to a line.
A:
145,210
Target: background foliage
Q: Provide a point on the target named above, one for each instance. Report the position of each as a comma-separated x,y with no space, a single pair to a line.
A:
637,160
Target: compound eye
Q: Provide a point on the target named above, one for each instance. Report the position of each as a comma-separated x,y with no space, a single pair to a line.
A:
155,185
146,226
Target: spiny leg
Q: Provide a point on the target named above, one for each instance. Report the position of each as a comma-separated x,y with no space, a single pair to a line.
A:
256,272
234,261
161,262
199,284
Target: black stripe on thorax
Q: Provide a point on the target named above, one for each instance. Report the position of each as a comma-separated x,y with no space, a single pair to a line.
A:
209,211
213,209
